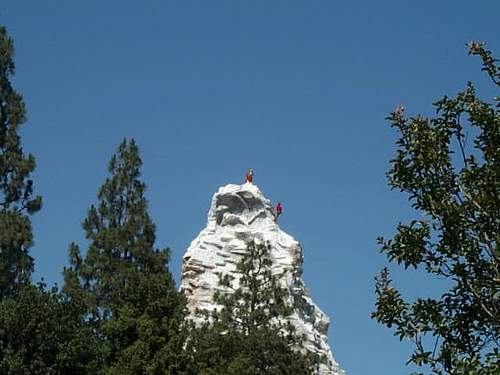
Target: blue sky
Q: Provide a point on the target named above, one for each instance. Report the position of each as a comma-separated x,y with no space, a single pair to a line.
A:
297,90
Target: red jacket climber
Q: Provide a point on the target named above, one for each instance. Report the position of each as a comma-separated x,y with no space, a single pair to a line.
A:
249,176
278,210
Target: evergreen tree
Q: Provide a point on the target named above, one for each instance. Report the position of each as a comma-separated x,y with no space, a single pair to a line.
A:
131,299
43,333
16,189
457,235
250,334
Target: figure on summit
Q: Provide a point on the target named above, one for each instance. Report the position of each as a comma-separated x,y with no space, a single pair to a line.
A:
278,210
249,176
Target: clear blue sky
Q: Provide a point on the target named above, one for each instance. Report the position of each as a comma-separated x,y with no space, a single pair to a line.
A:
298,90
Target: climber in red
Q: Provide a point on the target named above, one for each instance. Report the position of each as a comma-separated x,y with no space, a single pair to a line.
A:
249,176
278,210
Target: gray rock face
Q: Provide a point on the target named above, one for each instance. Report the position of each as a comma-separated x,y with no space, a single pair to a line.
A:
238,214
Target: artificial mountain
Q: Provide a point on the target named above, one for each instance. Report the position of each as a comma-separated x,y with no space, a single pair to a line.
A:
239,214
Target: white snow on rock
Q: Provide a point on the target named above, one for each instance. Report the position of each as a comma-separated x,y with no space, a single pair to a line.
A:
239,214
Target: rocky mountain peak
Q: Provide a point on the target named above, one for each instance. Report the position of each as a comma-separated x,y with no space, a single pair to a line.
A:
239,214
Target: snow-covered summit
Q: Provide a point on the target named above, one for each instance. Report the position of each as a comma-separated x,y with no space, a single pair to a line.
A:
237,215
240,204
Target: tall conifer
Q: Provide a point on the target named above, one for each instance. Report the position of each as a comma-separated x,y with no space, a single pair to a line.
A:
250,332
16,189
123,280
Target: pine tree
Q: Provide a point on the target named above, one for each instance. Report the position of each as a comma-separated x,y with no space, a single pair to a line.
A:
43,333
132,302
250,334
16,189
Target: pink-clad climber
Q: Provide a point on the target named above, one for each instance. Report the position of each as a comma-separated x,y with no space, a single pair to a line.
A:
278,210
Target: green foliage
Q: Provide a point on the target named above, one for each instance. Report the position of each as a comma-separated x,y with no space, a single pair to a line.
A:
249,333
41,332
457,191
130,296
16,189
